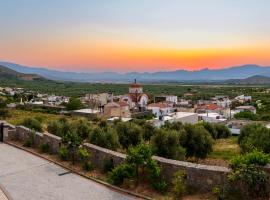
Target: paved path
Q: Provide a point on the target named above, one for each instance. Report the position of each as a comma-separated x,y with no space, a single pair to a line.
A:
2,195
28,177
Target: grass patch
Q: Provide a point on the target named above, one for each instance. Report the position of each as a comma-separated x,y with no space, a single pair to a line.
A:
225,149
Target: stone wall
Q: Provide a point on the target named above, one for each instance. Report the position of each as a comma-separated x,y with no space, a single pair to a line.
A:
203,177
22,134
100,155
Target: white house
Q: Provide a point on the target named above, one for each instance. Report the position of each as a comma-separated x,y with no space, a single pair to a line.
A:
243,98
184,117
167,98
160,109
211,117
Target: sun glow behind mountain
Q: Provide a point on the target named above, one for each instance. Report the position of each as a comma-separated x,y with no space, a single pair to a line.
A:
154,35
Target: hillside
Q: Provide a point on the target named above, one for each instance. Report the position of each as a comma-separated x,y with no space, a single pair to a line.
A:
253,80
204,75
7,73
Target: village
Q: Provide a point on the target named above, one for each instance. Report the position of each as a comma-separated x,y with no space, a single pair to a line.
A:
137,104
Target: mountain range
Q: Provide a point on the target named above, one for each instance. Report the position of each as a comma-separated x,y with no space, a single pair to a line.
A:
7,74
204,75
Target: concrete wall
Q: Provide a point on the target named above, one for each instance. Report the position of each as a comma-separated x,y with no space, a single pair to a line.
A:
203,177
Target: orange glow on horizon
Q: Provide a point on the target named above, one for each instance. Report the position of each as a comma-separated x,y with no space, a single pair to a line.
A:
120,57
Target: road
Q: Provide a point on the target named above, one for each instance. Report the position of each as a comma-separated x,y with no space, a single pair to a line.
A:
28,177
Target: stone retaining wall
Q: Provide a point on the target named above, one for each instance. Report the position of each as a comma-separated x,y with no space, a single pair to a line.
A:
203,177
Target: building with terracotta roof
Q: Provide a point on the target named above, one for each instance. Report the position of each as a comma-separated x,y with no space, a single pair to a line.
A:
136,98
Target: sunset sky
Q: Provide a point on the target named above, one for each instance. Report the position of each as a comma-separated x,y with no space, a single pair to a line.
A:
135,35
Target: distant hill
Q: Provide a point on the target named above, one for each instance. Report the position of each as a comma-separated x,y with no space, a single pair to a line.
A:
204,75
253,80
7,73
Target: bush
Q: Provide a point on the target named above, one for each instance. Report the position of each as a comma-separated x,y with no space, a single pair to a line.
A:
196,140
108,165
32,124
105,137
255,157
179,184
157,182
55,128
44,148
83,155
247,180
118,174
87,166
166,144
254,136
63,153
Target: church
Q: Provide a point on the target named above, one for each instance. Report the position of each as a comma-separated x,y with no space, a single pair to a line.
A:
136,98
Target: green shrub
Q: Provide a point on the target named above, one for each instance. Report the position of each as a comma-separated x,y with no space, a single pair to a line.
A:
179,184
118,174
108,165
87,166
83,154
254,136
44,147
247,180
161,186
32,123
63,153
255,157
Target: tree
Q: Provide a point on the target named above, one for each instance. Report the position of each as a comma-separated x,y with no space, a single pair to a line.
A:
72,142
254,136
74,104
222,131
148,131
217,131
83,128
246,115
105,137
138,162
166,144
196,140
130,134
